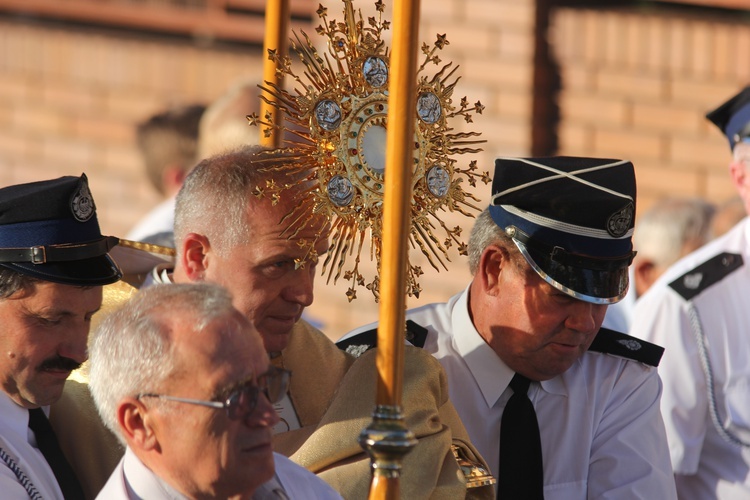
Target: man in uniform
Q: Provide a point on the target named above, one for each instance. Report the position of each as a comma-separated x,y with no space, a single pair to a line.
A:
698,311
53,263
182,377
230,230
547,256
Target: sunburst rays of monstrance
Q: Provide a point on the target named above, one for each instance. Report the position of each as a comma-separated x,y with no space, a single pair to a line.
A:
338,115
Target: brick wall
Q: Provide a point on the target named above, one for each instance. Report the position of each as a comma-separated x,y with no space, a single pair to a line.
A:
636,83
70,98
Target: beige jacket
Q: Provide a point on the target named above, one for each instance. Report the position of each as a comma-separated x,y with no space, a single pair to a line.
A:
335,396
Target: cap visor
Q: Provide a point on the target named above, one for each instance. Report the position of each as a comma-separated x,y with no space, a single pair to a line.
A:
96,271
589,285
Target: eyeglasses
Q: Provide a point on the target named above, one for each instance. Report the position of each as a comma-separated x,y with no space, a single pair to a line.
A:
242,401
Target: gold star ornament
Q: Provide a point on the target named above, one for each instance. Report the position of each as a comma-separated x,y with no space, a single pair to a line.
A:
337,114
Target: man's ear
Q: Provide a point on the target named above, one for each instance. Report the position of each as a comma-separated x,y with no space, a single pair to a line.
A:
645,272
494,260
739,175
136,424
194,256
172,178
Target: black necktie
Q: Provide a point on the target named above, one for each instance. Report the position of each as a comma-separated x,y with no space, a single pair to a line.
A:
520,471
47,443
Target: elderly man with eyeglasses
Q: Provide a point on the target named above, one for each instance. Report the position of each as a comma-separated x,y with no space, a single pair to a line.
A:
184,381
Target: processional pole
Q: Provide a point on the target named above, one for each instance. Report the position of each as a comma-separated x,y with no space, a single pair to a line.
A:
275,39
387,439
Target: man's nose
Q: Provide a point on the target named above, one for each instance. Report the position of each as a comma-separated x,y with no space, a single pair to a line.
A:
263,414
582,317
74,345
300,290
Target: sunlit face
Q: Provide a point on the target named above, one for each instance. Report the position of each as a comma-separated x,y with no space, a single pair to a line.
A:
536,329
204,453
261,274
43,333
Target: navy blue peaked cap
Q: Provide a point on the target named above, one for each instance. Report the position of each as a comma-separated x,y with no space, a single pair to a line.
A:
733,117
572,219
49,230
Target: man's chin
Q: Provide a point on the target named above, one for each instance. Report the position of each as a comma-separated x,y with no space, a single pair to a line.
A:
44,397
276,342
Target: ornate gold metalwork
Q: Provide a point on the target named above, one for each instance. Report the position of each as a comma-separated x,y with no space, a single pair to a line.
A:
337,115
476,475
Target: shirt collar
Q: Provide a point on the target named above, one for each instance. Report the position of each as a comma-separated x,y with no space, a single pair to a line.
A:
16,417
490,372
161,274
143,483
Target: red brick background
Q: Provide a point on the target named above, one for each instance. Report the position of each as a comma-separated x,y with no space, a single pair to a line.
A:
635,83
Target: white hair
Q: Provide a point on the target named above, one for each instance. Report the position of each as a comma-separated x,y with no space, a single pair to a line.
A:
224,125
215,196
130,352
672,228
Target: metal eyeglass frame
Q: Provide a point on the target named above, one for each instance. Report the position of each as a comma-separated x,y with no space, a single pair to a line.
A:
274,384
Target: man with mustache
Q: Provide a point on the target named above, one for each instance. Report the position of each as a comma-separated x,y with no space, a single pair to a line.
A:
53,263
182,378
522,345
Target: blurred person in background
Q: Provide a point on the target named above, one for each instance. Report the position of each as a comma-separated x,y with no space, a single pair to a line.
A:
224,125
669,230
168,144
727,215
699,311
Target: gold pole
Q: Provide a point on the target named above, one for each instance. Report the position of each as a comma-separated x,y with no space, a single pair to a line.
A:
276,36
387,439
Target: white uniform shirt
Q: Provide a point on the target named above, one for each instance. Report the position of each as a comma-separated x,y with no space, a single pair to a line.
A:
602,435
159,220
18,447
132,480
707,466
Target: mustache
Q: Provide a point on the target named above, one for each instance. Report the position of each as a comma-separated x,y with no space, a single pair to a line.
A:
59,363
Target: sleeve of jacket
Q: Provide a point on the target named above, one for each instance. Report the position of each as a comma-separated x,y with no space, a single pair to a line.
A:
429,471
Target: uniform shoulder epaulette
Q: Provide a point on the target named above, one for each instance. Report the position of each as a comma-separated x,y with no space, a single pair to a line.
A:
358,344
625,346
710,272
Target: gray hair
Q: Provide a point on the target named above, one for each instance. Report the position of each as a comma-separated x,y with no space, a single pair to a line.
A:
672,228
215,196
485,233
130,352
741,152
12,282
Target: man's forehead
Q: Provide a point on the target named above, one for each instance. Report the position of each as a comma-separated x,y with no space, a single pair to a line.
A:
225,340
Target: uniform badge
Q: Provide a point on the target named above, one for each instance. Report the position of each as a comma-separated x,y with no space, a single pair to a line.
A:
82,203
620,222
631,344
693,281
